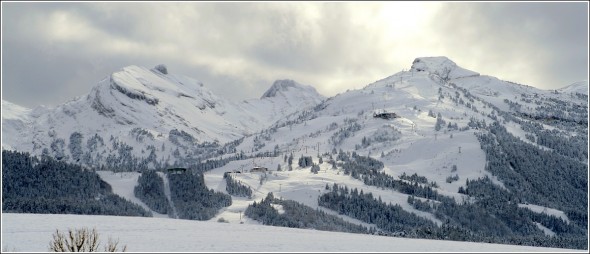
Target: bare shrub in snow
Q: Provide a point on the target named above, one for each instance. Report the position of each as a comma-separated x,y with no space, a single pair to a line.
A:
81,240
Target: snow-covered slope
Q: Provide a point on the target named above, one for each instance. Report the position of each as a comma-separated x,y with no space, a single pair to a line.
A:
143,109
15,122
441,66
577,87
13,111
32,233
410,144
283,98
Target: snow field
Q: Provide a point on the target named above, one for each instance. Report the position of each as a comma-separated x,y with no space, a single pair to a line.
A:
33,232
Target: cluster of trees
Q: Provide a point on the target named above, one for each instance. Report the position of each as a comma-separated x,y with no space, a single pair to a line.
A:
529,174
116,155
236,188
150,190
364,207
440,123
538,176
556,178
561,142
45,185
305,161
75,146
180,138
141,134
297,215
369,171
494,215
485,220
383,134
350,127
414,178
381,179
426,206
359,165
315,168
563,111
452,178
192,199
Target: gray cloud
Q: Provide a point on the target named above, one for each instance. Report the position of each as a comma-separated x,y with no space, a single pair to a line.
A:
538,44
53,52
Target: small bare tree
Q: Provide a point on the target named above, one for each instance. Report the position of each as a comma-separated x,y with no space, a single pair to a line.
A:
81,240
445,75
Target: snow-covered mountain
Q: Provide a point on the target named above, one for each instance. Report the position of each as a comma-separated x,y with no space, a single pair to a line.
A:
438,122
439,106
284,97
501,159
138,109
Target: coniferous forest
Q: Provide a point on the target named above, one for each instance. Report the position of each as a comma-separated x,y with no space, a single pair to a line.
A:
192,199
32,185
150,190
297,215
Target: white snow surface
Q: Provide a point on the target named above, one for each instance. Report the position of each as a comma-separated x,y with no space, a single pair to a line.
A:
33,233
13,111
577,87
441,65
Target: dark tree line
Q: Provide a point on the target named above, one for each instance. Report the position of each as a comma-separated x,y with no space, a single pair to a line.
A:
365,207
45,185
236,188
494,215
150,190
541,177
192,199
369,171
297,215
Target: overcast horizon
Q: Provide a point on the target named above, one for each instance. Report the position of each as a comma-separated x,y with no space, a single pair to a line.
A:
54,52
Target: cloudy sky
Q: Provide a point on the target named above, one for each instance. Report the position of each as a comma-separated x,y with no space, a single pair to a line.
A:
53,52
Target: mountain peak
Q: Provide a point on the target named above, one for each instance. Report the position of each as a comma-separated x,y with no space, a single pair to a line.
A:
432,63
441,65
284,85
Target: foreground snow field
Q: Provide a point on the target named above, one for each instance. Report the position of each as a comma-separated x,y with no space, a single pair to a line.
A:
33,232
